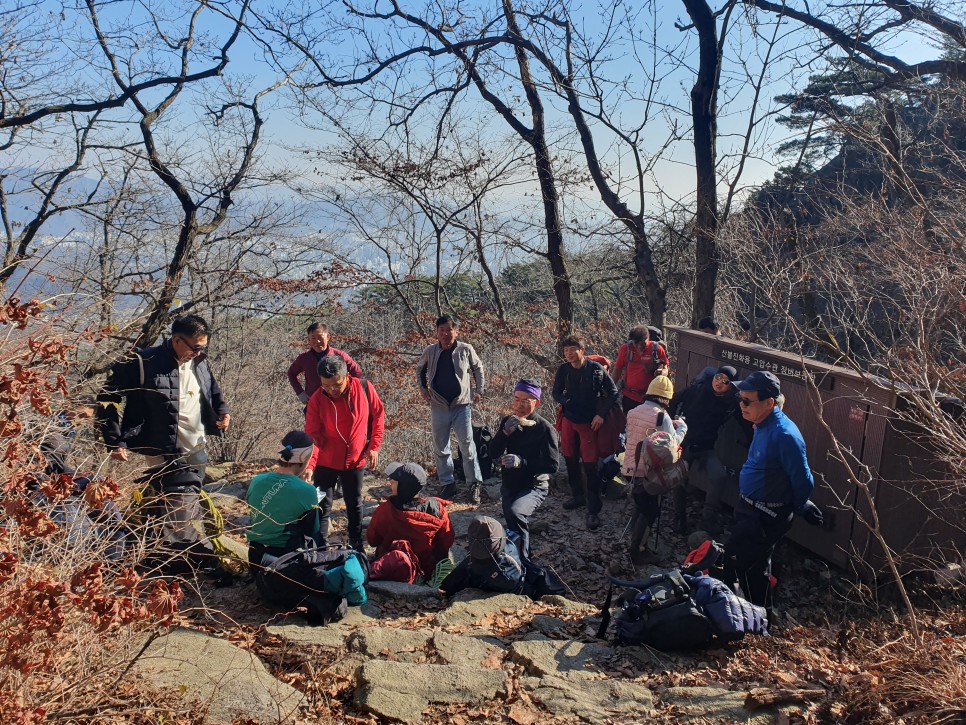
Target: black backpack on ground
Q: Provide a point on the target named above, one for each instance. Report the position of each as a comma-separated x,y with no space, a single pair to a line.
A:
298,579
658,612
481,438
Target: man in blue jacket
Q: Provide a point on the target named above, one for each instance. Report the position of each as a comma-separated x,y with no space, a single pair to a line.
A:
775,483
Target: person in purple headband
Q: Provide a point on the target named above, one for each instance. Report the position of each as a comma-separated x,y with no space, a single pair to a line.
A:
526,446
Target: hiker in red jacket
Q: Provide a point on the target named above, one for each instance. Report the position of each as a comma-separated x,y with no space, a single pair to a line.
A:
639,361
346,422
307,364
408,515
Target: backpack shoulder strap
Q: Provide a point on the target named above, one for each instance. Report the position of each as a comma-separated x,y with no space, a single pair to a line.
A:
630,352
365,389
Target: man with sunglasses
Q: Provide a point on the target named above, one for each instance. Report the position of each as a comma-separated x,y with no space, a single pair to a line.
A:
171,400
774,484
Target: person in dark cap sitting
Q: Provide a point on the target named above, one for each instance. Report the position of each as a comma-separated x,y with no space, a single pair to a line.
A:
774,485
408,515
529,455
705,404
493,564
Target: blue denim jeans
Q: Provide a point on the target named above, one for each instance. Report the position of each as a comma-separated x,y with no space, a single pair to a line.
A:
459,420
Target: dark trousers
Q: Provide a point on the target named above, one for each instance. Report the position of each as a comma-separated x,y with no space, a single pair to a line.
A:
647,508
748,551
627,405
585,484
519,504
325,479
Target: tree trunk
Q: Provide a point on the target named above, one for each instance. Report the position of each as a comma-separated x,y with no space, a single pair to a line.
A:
704,101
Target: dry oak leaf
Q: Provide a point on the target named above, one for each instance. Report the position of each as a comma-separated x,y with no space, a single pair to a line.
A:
523,716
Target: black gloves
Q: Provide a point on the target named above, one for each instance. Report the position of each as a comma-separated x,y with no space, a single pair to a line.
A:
811,513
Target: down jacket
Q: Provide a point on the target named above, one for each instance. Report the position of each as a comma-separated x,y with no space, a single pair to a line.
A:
731,616
429,534
149,423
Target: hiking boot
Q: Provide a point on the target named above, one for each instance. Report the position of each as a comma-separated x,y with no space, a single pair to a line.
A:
575,502
593,522
448,491
476,493
358,545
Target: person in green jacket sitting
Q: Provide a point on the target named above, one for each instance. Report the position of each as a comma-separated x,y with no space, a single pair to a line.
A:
284,507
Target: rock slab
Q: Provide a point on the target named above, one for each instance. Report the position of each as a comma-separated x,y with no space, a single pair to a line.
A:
229,681
471,605
592,700
401,691
568,659
715,704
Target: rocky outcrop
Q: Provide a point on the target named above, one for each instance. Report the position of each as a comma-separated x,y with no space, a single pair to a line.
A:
227,681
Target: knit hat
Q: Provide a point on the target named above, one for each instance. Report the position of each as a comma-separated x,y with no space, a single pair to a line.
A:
486,538
661,387
530,387
410,479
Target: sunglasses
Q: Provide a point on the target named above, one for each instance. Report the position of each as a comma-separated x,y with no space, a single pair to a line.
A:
745,402
193,348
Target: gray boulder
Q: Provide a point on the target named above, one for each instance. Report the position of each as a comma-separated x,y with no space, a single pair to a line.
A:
401,691
471,605
569,659
229,682
405,645
592,700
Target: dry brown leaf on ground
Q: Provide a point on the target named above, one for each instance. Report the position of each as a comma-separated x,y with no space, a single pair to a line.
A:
786,678
493,661
523,715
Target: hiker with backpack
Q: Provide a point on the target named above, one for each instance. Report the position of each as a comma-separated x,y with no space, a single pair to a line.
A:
527,446
284,507
406,515
639,361
451,379
346,420
775,484
652,461
586,395
707,404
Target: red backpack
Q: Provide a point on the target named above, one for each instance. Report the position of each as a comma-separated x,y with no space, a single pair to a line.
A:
398,564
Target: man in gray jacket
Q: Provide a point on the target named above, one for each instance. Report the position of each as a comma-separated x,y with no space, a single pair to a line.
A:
443,374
